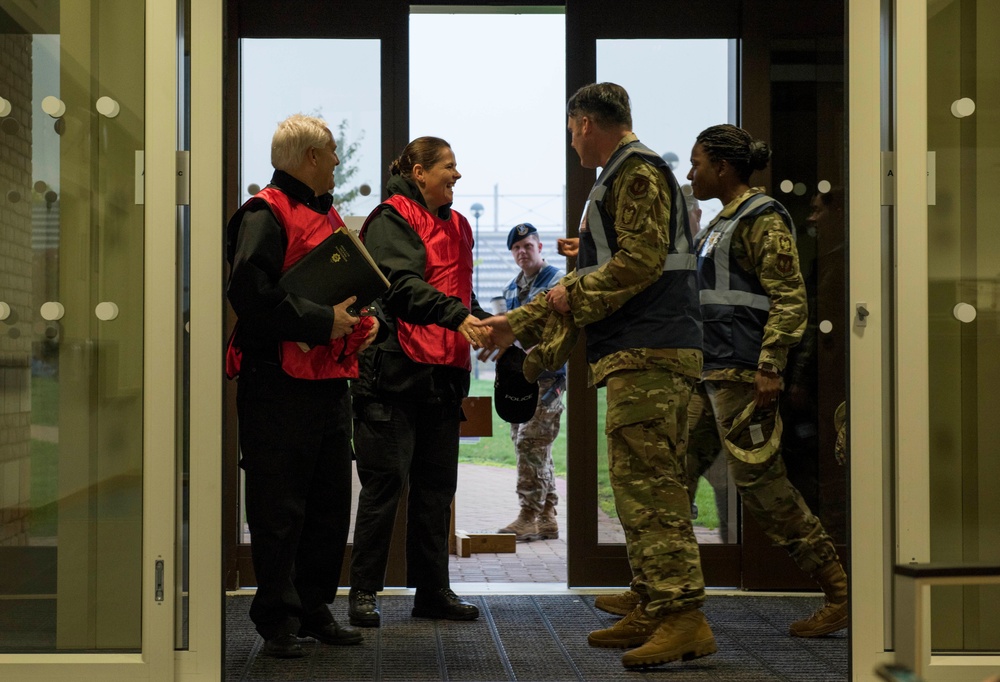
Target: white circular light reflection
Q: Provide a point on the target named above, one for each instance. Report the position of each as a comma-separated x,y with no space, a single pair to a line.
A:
53,106
786,186
4,310
5,107
826,326
108,107
105,311
52,310
964,312
823,186
961,108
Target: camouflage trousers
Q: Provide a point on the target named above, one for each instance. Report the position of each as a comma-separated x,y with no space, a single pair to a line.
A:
704,457
536,479
767,494
647,438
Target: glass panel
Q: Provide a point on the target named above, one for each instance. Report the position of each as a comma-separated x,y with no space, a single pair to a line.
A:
671,130
963,137
274,86
807,177
521,95
71,353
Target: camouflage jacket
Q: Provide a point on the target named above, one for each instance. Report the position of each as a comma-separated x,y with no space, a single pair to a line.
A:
642,229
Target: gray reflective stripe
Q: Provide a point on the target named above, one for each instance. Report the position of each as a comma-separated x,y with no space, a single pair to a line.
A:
682,260
674,261
741,298
722,294
596,225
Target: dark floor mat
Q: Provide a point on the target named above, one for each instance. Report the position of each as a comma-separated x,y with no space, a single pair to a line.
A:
543,638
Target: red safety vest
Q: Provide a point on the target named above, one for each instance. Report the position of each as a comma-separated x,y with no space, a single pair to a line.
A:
448,244
304,230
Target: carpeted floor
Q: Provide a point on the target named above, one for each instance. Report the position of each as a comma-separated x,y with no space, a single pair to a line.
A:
543,638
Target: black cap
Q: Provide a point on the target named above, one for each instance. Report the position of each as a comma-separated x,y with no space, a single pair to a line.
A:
514,397
519,232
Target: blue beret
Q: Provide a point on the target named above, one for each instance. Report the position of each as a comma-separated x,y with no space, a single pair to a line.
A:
519,232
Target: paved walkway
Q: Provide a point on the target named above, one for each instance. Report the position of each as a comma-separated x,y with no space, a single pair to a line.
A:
486,501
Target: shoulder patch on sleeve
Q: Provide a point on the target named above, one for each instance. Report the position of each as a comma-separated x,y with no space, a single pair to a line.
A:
628,214
639,186
783,263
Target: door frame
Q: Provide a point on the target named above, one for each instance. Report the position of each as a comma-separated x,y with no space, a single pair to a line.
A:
900,504
388,22
755,562
159,442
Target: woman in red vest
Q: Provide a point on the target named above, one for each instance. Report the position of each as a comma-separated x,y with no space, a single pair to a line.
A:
408,399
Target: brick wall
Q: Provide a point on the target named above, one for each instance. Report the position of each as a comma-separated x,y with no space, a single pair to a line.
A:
15,289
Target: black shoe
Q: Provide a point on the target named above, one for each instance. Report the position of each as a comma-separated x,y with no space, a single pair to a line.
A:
442,603
283,646
362,609
332,633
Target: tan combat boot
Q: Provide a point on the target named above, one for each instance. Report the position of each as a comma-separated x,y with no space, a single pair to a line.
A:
523,527
679,637
619,604
632,630
833,615
547,527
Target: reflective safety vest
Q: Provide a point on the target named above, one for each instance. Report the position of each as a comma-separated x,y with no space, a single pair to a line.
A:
304,230
448,243
734,305
666,313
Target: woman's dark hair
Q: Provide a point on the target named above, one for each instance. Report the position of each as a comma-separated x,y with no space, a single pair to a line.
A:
425,151
728,143
606,103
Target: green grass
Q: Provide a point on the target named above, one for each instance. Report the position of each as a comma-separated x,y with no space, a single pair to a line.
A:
44,458
499,451
44,488
45,401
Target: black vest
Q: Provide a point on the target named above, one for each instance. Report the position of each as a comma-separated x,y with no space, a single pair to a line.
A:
665,314
734,305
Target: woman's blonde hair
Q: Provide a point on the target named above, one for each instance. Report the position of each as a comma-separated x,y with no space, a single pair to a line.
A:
296,135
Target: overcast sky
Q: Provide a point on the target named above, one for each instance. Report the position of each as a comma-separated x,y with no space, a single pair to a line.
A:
494,87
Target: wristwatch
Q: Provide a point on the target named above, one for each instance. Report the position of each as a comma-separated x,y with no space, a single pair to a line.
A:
768,368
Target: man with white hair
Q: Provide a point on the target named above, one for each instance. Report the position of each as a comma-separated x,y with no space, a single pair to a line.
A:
293,358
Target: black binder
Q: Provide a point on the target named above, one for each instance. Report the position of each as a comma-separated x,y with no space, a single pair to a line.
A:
338,268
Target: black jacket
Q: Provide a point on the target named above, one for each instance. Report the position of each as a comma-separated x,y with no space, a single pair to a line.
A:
387,373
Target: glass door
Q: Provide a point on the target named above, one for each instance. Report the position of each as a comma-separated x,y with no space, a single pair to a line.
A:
362,96
947,100
783,80
87,343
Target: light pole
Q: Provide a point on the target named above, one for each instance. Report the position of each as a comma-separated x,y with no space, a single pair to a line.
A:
477,210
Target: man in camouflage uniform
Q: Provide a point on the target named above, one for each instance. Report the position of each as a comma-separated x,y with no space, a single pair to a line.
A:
536,479
753,303
634,294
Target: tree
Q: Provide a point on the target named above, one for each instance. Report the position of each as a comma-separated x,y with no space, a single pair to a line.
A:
342,197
